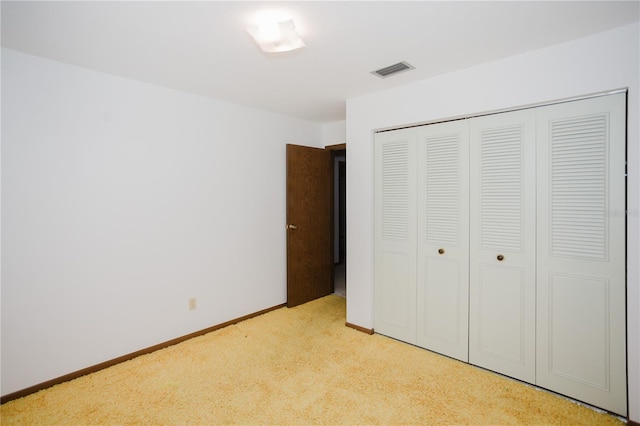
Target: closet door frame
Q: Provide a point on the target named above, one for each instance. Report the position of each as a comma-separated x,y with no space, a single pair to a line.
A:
522,345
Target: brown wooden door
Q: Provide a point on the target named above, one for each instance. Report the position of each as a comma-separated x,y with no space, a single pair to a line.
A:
309,224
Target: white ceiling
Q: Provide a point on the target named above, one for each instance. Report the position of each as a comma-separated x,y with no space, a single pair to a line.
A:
203,48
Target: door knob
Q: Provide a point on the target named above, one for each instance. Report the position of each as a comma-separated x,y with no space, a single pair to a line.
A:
291,226
441,251
500,257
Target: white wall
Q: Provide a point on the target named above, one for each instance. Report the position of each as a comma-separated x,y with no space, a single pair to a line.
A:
334,133
120,201
598,63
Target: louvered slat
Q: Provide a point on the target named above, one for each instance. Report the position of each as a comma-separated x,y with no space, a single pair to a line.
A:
442,186
579,187
501,186
395,191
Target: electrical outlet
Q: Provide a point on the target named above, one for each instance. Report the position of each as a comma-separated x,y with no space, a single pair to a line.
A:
192,304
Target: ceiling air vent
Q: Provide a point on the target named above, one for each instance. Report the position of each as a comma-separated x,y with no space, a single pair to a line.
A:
393,69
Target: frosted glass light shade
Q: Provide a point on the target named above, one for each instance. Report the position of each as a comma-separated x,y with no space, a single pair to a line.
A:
276,37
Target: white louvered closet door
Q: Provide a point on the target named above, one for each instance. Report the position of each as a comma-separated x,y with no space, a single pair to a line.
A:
502,244
443,238
395,234
581,251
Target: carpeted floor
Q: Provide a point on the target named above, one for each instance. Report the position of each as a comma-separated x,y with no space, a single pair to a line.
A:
296,366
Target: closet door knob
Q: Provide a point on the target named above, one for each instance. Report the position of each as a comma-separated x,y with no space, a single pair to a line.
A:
292,226
441,251
500,257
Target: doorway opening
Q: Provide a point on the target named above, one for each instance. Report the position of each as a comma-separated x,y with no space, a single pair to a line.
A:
339,154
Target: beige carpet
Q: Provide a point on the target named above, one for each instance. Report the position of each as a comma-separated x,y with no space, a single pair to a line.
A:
295,366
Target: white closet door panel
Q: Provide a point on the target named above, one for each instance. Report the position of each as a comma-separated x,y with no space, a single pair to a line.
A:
502,293
502,244
443,238
394,295
581,251
441,313
395,235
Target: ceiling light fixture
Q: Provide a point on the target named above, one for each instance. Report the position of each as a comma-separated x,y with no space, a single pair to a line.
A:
274,34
